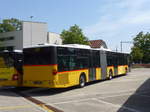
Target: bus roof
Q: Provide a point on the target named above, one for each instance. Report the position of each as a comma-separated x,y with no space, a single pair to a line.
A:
67,45
72,46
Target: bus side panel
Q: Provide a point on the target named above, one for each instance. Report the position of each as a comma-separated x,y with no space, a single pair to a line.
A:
6,77
110,68
98,74
122,69
127,68
69,78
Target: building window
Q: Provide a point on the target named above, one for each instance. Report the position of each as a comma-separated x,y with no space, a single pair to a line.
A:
6,38
9,48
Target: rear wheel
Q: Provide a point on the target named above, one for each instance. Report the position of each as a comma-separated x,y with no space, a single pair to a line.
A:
82,81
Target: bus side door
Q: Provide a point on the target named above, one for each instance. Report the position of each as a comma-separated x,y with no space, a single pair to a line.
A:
92,69
103,62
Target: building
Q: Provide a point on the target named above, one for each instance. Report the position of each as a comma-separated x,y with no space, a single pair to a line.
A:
32,33
54,38
97,44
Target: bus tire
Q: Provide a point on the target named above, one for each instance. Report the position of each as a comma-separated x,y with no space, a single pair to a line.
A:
82,80
110,75
126,70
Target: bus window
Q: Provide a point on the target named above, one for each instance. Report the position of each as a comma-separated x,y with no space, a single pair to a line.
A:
39,56
66,59
96,58
83,58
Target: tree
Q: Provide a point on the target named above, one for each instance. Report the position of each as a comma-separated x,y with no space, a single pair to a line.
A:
10,25
136,55
74,36
141,47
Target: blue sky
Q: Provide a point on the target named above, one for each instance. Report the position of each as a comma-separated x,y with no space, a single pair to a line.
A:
110,20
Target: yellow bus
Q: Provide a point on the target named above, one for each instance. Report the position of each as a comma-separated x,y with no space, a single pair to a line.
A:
11,68
60,66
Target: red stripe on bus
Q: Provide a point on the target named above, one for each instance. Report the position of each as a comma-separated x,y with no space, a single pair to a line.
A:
110,66
71,71
122,65
42,65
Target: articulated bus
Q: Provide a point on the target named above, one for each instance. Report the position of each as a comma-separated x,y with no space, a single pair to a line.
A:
60,66
11,68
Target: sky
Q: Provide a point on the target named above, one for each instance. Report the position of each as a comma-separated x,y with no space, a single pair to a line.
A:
110,20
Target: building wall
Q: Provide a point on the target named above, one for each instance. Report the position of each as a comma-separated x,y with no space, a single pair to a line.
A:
16,42
34,33
54,38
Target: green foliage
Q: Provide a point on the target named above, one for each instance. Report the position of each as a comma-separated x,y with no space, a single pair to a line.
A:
141,49
74,36
137,55
10,25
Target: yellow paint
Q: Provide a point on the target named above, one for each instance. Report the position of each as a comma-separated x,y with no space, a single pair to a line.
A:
71,78
38,76
2,62
15,107
122,69
108,70
98,74
6,75
45,108
42,76
24,106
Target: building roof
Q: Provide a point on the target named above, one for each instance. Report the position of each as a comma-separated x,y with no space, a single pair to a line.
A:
97,44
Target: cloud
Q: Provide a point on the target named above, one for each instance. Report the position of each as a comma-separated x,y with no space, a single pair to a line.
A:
120,18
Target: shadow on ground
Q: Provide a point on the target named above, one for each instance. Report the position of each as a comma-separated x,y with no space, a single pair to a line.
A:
139,101
7,91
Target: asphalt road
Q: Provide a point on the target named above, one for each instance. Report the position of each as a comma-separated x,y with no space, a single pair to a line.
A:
130,93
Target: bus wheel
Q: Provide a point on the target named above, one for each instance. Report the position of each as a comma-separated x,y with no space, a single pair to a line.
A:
82,81
110,75
126,70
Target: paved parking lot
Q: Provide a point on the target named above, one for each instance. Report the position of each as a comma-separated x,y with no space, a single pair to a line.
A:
130,93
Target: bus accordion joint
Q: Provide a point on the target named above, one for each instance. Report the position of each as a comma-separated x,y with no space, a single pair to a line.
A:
15,77
54,72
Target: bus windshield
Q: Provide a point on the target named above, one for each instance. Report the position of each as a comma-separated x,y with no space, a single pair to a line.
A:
6,60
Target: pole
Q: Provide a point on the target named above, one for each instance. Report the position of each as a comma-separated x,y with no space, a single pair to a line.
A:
31,31
121,46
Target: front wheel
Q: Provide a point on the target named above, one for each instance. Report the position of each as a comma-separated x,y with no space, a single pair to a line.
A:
82,81
110,75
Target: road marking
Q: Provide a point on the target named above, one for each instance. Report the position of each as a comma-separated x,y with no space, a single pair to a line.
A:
15,107
144,95
128,80
125,92
116,105
46,108
73,101
130,94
